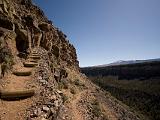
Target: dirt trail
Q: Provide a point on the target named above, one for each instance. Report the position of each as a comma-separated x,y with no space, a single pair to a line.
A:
78,109
108,111
77,115
15,110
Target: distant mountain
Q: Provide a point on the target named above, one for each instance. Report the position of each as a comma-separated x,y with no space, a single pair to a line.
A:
132,69
122,62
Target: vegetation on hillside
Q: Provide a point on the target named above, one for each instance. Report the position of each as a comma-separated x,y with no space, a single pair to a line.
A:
142,96
141,71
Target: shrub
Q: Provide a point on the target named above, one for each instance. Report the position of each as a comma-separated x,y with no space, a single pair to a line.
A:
63,84
60,85
79,83
96,110
73,90
64,98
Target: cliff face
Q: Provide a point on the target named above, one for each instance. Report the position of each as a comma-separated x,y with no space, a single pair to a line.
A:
24,26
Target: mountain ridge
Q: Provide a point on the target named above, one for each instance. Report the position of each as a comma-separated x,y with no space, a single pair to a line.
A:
125,62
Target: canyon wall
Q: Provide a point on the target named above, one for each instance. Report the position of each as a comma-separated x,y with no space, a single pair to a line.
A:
24,26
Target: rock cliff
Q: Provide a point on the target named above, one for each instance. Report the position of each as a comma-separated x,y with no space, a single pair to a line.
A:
24,26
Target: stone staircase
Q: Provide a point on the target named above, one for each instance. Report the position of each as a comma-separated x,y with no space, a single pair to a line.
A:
20,92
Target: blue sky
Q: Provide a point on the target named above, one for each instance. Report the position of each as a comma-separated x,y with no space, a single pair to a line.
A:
105,31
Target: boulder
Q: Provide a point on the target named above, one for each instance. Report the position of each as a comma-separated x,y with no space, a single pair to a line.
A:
45,109
44,26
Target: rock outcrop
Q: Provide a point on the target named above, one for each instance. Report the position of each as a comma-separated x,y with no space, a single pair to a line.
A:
24,29
30,28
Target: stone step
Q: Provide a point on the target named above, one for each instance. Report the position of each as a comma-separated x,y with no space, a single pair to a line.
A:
35,54
34,51
22,73
13,95
30,64
34,57
33,60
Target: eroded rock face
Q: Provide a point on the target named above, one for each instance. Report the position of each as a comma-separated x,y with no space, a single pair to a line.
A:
33,29
23,26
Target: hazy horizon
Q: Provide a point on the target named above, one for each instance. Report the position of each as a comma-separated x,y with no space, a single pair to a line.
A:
108,30
122,61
